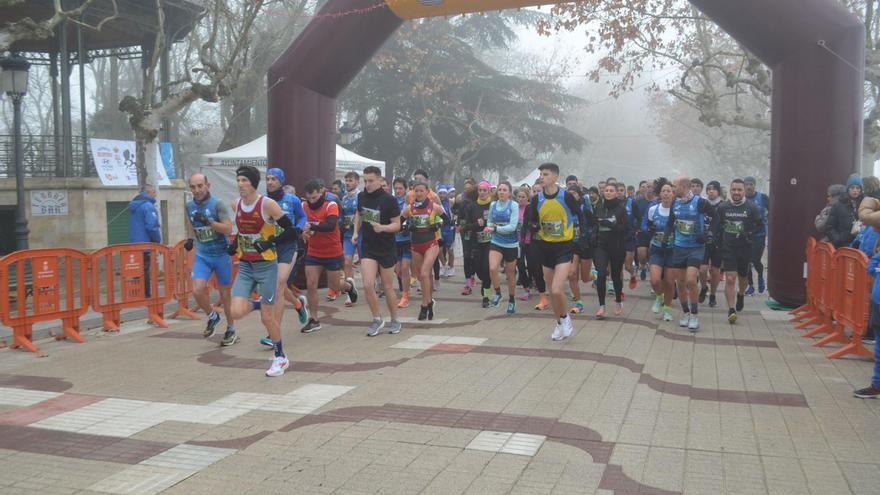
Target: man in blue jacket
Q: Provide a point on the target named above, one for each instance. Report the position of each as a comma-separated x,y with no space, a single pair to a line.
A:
143,226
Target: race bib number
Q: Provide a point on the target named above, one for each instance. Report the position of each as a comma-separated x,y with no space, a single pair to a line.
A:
348,223
684,226
484,237
246,242
420,221
733,227
370,215
204,234
552,229
660,237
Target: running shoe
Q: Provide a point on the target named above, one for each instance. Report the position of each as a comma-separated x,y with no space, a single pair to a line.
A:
643,274
761,285
375,326
229,338
279,364
267,341
600,315
618,309
404,301
213,320
577,309
684,320
658,301
750,290
303,310
511,307
731,316
633,283
485,302
394,327
331,295
495,301
526,296
466,291
431,306
353,292
451,272
712,301
694,323
556,336
567,327
867,393
348,302
667,313
312,326
542,304
703,291
423,313
740,302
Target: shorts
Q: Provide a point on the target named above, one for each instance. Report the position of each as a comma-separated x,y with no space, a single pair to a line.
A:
737,258
713,256
448,237
348,248
423,247
385,260
221,266
553,253
256,275
404,251
584,253
684,257
643,239
286,252
508,254
329,264
630,244
660,256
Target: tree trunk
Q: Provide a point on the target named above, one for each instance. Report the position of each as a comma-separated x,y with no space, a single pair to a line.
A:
239,130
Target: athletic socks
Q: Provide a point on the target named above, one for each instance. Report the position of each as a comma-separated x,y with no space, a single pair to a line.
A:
256,304
498,291
279,349
694,308
213,315
684,305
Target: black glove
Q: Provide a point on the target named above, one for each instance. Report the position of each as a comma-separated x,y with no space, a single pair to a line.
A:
233,246
264,244
200,217
584,242
435,227
188,245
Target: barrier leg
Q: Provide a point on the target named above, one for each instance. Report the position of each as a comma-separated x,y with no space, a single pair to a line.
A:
112,320
183,310
825,327
22,337
70,330
800,309
855,347
812,321
809,313
837,335
156,316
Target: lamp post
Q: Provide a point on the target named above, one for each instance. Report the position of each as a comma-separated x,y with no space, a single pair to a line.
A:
14,82
346,134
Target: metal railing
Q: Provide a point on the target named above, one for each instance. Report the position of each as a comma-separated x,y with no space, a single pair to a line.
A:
41,158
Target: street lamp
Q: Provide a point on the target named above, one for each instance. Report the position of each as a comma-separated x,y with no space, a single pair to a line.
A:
346,134
14,82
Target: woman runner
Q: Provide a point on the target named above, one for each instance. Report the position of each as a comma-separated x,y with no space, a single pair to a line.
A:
422,215
611,235
503,220
660,252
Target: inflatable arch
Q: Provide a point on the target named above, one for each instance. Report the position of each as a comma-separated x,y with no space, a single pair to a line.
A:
815,48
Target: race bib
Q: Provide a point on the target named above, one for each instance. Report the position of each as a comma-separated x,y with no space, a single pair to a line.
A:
484,237
246,242
577,232
370,215
660,237
420,221
552,229
685,226
348,223
733,227
204,234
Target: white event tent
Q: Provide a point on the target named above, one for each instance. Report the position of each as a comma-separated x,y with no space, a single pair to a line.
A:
220,167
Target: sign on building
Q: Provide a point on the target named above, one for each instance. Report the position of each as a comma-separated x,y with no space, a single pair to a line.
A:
49,203
115,162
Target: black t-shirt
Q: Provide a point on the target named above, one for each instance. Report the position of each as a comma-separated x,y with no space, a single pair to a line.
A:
737,223
379,207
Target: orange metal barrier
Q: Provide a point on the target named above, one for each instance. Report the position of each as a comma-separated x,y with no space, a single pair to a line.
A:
823,259
121,267
181,266
59,291
852,286
809,308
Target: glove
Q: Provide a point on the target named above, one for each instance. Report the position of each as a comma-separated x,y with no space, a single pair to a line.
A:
200,217
606,222
233,246
188,245
583,243
264,244
405,225
435,227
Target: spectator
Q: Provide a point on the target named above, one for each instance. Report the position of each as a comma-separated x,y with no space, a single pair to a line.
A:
866,239
842,225
144,226
835,191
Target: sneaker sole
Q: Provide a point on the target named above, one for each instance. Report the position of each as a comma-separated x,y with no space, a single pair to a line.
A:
311,330
227,344
731,319
283,369
862,396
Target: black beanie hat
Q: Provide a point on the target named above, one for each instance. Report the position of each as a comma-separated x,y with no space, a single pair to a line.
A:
250,173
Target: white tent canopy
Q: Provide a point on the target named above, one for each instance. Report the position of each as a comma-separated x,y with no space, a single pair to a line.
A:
220,167
529,179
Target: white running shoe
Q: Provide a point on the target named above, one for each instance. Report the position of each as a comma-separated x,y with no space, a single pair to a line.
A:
557,333
451,272
694,323
684,320
656,307
567,327
279,364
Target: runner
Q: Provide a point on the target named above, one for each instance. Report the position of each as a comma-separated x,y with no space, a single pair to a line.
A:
630,241
349,209
642,203
524,277
612,237
582,250
422,215
656,226
287,252
689,214
710,270
378,219
759,236
534,259
402,239
737,220
210,221
503,221
477,215
447,252
553,212
258,219
468,240
323,251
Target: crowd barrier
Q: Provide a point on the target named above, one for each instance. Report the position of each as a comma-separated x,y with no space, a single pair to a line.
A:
181,266
838,298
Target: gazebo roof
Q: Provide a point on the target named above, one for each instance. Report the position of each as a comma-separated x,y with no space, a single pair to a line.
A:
134,26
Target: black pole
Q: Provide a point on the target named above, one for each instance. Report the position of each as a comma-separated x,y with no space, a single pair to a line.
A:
84,138
66,132
21,227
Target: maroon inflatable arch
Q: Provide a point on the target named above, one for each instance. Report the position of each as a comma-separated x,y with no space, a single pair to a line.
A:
815,48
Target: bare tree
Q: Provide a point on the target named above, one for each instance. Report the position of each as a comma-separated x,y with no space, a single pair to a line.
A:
29,29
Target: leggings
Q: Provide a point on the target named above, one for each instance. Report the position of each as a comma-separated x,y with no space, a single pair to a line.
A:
481,264
467,250
524,279
535,263
437,268
758,244
601,258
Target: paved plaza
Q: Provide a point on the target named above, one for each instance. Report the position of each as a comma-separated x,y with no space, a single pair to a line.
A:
473,402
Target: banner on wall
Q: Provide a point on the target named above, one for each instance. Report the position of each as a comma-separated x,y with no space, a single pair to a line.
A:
115,162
